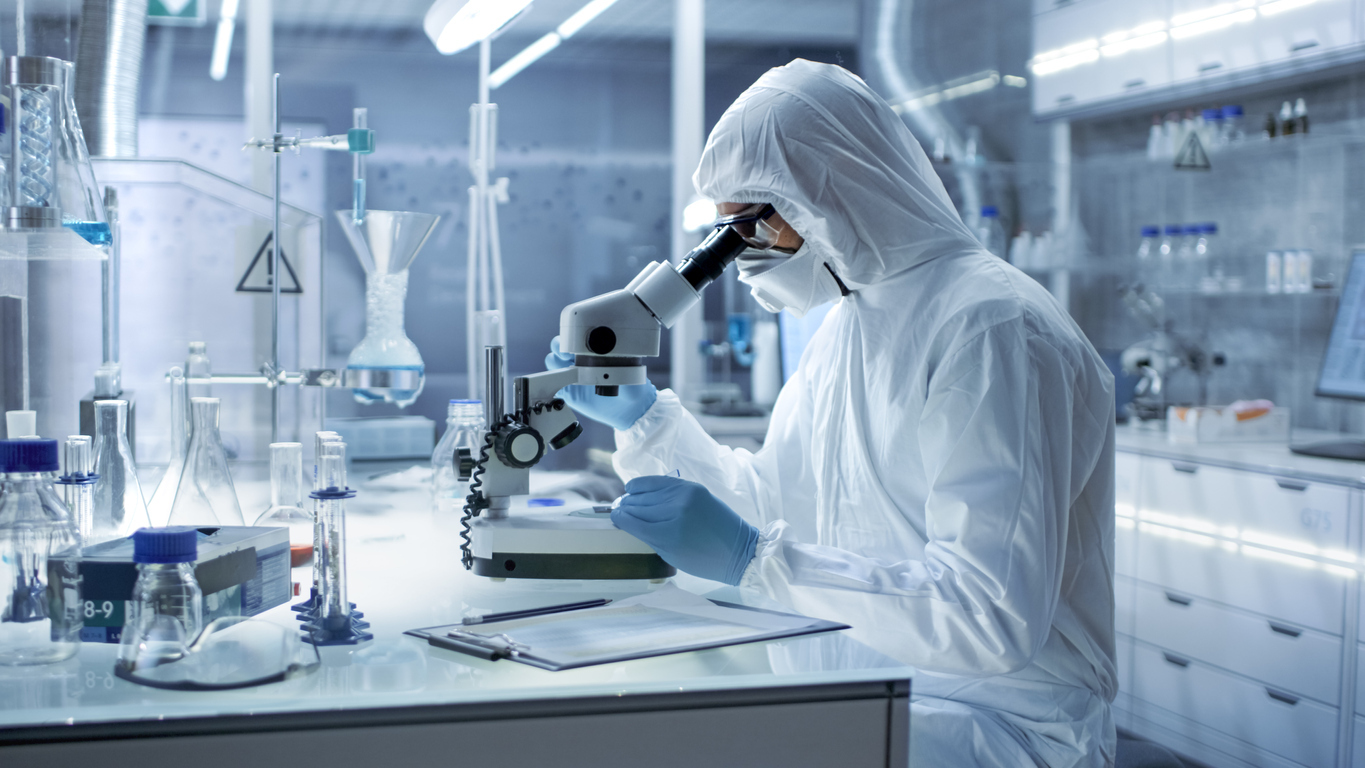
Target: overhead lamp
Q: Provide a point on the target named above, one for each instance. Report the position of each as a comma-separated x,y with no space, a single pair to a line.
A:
454,25
549,42
222,40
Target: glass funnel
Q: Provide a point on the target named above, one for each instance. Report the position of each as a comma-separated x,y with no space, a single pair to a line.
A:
119,506
51,183
159,508
205,495
386,242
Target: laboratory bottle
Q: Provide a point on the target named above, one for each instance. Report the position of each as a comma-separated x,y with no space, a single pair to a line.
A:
166,610
1155,139
286,504
1274,271
198,369
990,232
1206,275
1233,132
77,482
1210,128
1166,251
1289,281
119,505
1301,116
1147,255
159,508
205,495
464,429
40,621
1287,124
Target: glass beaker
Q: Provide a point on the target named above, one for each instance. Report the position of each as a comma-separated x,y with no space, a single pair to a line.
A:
286,505
205,495
40,622
119,506
51,181
386,242
159,508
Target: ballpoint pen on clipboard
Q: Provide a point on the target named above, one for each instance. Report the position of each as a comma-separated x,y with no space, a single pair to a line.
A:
530,612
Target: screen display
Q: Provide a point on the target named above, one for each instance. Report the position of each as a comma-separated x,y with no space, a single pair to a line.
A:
1343,366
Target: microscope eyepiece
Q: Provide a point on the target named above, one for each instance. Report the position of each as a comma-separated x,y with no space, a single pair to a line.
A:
707,261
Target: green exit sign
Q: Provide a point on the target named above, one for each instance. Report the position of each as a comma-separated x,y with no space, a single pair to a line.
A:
187,13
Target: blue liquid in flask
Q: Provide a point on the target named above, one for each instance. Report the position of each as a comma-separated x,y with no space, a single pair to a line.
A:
94,232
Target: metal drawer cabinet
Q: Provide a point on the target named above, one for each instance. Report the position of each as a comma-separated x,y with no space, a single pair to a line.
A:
1288,658
1258,716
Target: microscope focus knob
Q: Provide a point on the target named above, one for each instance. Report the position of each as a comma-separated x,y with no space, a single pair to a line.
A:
519,446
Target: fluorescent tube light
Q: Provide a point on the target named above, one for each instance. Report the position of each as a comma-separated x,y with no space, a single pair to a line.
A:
454,25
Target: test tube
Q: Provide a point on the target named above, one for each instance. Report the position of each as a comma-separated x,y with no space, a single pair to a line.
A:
334,605
360,119
320,440
77,482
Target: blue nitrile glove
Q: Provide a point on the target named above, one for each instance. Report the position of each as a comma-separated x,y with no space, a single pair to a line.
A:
689,527
618,412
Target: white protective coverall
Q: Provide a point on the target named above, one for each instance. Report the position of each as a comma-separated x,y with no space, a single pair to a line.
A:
939,472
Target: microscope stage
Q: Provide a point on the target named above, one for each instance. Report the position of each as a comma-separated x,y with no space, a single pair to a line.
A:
566,543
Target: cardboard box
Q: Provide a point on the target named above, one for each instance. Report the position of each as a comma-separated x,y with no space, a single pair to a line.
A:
242,571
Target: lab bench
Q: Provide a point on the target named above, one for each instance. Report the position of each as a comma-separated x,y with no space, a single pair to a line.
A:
814,701
1238,601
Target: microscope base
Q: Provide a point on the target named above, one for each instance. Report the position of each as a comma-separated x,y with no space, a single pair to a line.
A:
564,544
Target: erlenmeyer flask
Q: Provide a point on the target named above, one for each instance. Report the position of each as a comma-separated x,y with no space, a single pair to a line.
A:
51,181
119,506
205,495
286,502
386,242
159,508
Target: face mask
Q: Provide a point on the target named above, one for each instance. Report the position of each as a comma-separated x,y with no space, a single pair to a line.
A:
797,283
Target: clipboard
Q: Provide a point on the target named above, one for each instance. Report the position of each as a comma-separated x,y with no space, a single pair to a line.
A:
636,628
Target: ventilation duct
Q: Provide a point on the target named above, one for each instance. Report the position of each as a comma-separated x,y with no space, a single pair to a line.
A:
108,72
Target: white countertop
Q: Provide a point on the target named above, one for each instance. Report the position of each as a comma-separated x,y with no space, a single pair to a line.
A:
404,573
1270,458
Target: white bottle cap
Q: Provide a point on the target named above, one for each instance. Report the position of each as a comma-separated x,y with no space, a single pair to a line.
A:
21,424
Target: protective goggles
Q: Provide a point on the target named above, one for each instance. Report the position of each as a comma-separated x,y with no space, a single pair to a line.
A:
752,225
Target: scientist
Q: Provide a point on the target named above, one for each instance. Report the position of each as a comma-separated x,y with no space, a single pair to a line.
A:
938,473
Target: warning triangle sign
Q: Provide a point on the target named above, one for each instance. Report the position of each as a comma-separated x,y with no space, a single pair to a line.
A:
258,278
1192,156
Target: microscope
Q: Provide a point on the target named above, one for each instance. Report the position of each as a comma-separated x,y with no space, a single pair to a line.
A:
609,337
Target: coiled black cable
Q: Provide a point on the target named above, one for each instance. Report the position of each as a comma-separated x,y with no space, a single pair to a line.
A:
476,502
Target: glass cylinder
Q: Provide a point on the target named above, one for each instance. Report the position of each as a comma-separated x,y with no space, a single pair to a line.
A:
205,495
286,505
40,602
119,506
198,370
77,482
334,605
464,429
160,506
166,611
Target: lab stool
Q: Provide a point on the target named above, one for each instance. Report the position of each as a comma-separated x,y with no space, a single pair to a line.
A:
1132,752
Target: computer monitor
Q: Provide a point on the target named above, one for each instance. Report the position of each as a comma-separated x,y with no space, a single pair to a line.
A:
1343,365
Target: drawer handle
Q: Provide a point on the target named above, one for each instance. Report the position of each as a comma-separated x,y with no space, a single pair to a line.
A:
1180,466
1178,599
1305,45
1283,698
1212,65
1283,630
1291,485
1179,662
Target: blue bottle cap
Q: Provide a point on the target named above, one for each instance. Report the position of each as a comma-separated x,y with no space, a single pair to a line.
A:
990,211
466,402
1150,231
544,502
1208,228
1232,110
29,455
1212,114
1192,229
1174,229
177,544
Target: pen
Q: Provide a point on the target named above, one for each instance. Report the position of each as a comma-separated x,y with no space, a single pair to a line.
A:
529,612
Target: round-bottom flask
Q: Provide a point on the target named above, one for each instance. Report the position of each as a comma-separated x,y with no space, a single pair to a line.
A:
386,345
